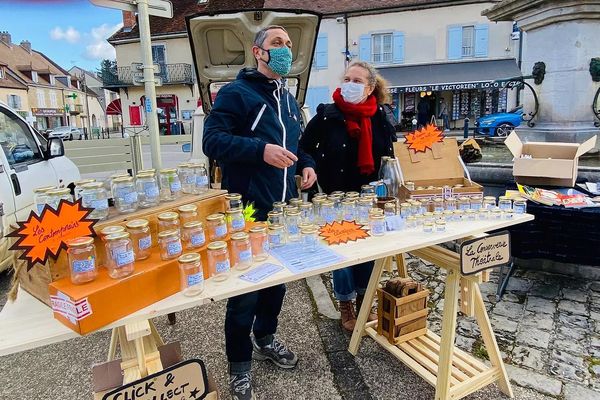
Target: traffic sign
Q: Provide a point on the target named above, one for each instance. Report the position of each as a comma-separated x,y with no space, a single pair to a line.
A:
148,106
160,8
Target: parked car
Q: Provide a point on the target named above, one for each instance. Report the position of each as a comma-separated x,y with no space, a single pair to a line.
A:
499,124
27,161
66,132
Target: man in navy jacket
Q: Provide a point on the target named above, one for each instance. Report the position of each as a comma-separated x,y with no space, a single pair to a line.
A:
253,132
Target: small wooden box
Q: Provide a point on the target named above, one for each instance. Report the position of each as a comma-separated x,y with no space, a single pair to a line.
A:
402,318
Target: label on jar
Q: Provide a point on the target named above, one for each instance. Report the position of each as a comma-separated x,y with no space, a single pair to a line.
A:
198,239
222,266
202,180
293,229
519,208
145,242
124,258
378,229
130,197
245,255
174,248
476,206
87,265
101,204
265,246
175,186
189,180
195,279
238,223
275,239
151,190
221,230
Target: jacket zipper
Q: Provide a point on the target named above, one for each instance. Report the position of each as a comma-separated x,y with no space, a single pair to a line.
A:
277,96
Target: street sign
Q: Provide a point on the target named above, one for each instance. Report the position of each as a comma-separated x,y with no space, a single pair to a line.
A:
138,79
148,106
160,8
140,67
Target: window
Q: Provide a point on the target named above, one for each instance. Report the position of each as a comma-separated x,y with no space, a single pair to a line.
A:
41,98
382,48
1,73
14,101
320,59
34,76
159,57
53,102
52,80
16,140
468,41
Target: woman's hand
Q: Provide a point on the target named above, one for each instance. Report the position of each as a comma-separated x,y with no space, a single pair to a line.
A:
309,177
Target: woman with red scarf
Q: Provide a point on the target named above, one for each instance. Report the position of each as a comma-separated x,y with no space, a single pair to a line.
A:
347,140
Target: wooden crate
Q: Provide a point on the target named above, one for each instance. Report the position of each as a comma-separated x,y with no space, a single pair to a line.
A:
402,318
37,279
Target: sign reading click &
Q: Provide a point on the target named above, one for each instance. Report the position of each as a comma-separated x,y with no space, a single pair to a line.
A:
488,252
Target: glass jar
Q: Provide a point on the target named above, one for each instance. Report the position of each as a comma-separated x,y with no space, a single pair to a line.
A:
375,211
411,221
306,213
409,185
420,218
489,202
276,235
278,206
235,220
476,202
54,196
320,195
458,215
415,207
93,195
440,225
193,235
451,204
187,178
348,210
464,203
377,224
328,212
241,251
259,242
191,274
295,202
366,189
148,171
139,231
147,190
424,206
216,226
428,216
504,203
448,215
389,208
170,185
81,253
289,208
362,210
40,198
275,218
438,204
310,238
109,230
218,261
520,205
188,213
508,214
428,226
234,201
79,186
438,215
484,214
352,195
125,195
470,215
317,204
121,260
109,182
337,204
168,221
202,181
292,226
170,244
495,214
406,209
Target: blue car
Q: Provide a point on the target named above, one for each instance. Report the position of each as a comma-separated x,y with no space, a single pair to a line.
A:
499,124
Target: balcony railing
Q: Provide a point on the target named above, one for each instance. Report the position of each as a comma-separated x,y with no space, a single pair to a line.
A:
171,74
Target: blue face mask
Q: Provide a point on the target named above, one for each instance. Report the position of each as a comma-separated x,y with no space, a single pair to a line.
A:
280,60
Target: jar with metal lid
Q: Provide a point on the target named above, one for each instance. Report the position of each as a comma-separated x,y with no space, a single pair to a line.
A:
310,238
79,186
275,218
121,260
376,224
109,182
424,206
428,216
328,212
484,214
367,189
148,171
476,202
420,218
109,230
276,235
54,196
508,214
520,205
352,195
375,211
93,195
147,190
202,180
349,209
411,221
495,214
504,203
170,185
241,251
292,226
489,202
337,204
415,206
40,198
471,215
438,204
278,206
362,210
81,253
139,231
193,235
438,215
170,244
216,227
406,209
389,208
458,215
448,215
191,274
464,203
440,225
409,185
451,203
218,261
428,226
317,204
188,213
259,242
186,177
295,202
234,201
125,194
320,195
289,208
235,220
306,213
167,221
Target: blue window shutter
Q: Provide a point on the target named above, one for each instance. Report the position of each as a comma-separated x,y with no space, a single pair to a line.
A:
398,49
481,40
364,48
321,52
454,42
315,96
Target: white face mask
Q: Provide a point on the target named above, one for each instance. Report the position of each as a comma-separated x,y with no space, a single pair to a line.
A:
353,92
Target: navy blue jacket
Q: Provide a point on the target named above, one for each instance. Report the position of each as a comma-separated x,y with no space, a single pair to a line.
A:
249,113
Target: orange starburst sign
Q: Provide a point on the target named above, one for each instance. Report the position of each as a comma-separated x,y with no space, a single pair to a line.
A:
424,138
46,235
343,232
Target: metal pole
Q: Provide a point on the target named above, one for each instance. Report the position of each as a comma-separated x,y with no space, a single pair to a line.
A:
150,89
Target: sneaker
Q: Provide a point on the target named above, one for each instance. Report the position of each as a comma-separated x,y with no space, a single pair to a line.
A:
240,387
277,352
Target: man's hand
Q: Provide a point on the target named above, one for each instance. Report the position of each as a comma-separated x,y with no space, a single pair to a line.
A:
279,157
309,177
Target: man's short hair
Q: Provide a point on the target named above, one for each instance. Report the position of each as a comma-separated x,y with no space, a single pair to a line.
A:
261,35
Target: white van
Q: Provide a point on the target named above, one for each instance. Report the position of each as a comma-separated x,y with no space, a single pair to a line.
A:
27,161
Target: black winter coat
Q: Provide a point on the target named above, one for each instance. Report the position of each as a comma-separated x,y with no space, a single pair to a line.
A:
336,153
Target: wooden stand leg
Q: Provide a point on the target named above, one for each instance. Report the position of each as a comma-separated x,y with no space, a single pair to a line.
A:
401,266
112,347
389,264
442,389
363,315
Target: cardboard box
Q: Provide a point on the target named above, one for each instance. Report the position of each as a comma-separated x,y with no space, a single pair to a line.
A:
439,167
551,163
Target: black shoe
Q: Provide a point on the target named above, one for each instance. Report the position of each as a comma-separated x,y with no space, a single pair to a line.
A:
240,387
277,352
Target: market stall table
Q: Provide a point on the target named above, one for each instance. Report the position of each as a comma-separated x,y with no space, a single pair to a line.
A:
28,323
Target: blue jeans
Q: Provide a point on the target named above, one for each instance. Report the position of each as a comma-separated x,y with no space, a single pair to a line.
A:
256,312
350,281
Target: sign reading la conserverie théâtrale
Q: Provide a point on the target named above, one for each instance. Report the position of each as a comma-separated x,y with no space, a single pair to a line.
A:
453,86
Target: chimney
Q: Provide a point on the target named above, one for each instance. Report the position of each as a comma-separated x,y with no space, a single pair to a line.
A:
5,38
26,44
128,20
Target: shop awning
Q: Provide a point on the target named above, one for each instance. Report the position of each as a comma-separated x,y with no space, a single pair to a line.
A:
469,75
114,107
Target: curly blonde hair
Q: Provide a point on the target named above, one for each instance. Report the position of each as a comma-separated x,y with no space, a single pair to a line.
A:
381,91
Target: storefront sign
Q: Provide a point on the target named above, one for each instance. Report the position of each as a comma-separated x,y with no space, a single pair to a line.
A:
343,232
452,86
480,254
46,111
